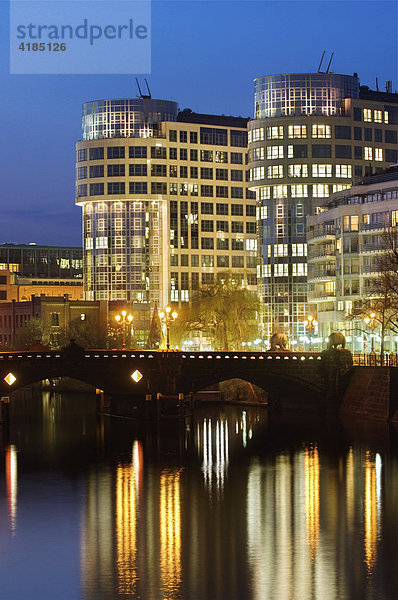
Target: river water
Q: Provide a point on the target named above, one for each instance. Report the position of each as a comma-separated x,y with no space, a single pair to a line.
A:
234,505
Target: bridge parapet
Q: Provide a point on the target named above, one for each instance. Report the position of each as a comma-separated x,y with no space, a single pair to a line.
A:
157,371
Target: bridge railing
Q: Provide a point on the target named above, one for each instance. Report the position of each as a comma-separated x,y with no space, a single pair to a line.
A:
151,354
375,360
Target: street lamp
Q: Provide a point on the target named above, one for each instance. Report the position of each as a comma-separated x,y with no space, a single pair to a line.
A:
310,324
124,320
168,317
371,323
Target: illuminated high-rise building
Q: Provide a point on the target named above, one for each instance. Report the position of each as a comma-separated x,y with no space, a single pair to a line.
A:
164,200
312,134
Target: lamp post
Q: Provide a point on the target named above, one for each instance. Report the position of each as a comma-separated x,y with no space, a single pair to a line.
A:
371,323
310,324
168,317
124,319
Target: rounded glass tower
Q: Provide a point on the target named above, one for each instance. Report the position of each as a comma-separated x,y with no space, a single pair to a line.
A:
131,117
302,94
123,222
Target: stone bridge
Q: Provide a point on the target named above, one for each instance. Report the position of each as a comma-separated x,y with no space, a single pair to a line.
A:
167,372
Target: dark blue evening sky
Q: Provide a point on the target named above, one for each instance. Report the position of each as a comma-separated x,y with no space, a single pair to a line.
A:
205,56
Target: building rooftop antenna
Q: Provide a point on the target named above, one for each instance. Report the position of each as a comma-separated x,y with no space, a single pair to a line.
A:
320,64
147,87
330,62
143,96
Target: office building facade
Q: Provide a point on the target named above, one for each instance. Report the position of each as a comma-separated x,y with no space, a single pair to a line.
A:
164,201
42,262
312,135
346,243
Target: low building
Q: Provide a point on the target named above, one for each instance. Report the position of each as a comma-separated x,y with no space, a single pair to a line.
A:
20,289
56,314
345,244
48,262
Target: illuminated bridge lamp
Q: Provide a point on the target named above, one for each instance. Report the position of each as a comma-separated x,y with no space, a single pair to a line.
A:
136,376
124,320
168,317
10,378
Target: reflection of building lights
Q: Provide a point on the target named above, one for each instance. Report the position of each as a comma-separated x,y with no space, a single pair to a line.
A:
170,533
12,484
219,465
350,489
128,481
311,471
370,510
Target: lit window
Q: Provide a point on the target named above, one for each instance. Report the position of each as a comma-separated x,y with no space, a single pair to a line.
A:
350,223
297,171
330,287
321,131
257,173
263,212
257,134
275,171
343,171
299,190
265,193
279,211
299,249
367,115
378,116
366,219
101,242
320,190
274,152
263,270
394,218
279,191
348,307
258,153
280,250
297,131
275,133
251,244
280,230
89,243
281,270
321,170
378,154
339,187
299,269
386,116
340,305
368,153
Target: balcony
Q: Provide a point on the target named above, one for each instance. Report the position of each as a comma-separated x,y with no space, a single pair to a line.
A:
370,248
321,275
319,255
321,234
321,296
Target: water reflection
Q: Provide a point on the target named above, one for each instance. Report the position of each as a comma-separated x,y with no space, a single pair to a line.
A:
311,470
247,511
170,533
214,451
12,484
372,507
128,487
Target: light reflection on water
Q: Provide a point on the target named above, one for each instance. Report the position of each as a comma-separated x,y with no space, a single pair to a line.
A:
245,508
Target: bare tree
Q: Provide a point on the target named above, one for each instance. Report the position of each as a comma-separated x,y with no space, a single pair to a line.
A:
382,298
